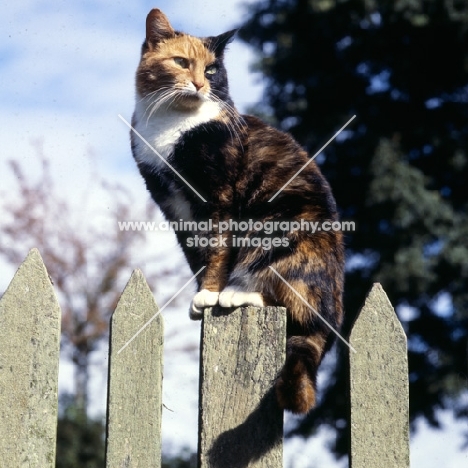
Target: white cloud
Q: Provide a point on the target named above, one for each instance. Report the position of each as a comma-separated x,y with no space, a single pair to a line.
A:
434,448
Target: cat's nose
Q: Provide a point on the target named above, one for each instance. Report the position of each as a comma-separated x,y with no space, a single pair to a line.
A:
198,84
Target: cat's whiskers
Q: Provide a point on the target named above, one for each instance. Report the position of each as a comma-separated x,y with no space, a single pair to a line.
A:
169,94
150,101
235,122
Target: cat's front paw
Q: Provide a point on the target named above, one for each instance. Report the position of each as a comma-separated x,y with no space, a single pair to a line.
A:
202,299
233,297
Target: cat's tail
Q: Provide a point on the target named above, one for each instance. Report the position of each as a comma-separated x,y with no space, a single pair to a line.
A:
296,384
314,312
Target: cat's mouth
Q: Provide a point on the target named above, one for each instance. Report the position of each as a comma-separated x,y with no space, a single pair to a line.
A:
190,98
192,94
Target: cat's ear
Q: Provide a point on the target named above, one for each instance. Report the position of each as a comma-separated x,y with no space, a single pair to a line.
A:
218,43
158,27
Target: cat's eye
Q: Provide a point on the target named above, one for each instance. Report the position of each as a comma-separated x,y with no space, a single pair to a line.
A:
182,62
211,69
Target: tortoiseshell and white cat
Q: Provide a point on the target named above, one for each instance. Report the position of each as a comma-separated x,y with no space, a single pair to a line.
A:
237,163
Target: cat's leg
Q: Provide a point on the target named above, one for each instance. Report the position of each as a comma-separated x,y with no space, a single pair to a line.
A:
207,296
214,278
241,290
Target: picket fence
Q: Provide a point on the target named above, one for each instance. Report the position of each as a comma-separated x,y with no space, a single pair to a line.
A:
240,424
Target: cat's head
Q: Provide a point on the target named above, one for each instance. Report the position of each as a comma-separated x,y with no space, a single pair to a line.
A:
181,70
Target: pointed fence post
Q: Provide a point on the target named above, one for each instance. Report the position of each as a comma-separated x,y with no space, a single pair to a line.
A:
135,380
242,351
379,386
29,355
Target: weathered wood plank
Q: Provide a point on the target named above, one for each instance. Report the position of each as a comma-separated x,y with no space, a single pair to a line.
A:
379,387
29,354
135,379
242,352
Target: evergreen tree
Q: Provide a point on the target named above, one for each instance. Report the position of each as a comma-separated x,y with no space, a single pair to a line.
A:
399,170
80,439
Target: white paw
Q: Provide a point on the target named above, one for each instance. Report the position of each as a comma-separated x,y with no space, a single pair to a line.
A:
202,299
232,297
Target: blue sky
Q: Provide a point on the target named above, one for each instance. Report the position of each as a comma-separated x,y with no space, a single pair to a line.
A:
67,69
66,72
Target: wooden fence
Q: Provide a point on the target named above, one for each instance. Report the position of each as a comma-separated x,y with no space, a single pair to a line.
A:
240,424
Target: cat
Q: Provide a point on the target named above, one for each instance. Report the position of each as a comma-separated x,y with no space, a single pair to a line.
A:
202,160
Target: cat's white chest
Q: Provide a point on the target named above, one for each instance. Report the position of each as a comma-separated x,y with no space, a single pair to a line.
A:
159,133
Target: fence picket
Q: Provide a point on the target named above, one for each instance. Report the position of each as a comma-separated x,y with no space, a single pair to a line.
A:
379,386
135,378
29,354
240,422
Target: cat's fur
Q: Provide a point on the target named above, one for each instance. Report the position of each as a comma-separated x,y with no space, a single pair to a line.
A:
237,163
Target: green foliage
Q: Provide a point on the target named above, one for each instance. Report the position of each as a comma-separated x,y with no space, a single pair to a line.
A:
399,171
80,440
